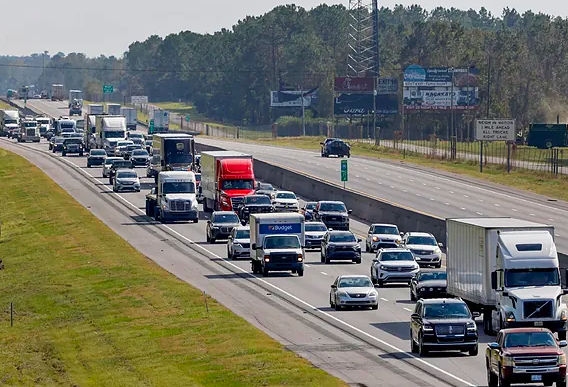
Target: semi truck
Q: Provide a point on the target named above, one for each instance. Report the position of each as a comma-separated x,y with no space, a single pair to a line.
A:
161,121
57,92
277,243
113,109
108,131
173,198
44,125
10,120
75,94
171,152
508,270
29,130
226,177
131,116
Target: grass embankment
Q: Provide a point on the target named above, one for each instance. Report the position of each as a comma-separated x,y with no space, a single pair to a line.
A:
92,311
537,182
4,105
183,109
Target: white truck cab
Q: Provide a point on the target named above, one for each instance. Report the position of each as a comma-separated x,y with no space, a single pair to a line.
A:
174,197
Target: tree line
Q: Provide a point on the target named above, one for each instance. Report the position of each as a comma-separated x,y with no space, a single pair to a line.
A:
228,75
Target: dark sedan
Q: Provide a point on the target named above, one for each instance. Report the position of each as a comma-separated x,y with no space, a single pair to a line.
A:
308,210
428,284
57,144
130,149
140,157
96,157
340,245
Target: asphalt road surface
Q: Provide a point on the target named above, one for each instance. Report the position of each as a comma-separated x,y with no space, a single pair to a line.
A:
361,346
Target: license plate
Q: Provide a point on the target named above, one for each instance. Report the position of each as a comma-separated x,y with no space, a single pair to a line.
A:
536,378
538,324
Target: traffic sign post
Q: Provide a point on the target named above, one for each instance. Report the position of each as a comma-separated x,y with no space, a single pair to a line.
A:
187,117
151,127
344,172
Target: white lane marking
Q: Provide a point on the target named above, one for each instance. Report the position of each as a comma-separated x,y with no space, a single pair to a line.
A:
388,174
447,204
480,200
366,168
497,205
423,183
323,272
465,196
318,164
512,209
411,180
368,179
404,190
552,220
410,310
557,235
384,299
306,265
314,308
356,175
379,183
418,195
392,186
437,187
451,192
479,213
532,214
463,208
336,170
432,199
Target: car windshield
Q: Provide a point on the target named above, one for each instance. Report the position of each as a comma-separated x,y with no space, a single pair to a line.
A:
354,282
117,134
121,164
433,275
421,240
529,339
335,207
172,187
532,277
342,237
282,242
315,227
385,230
446,310
73,141
132,147
260,199
140,152
98,152
242,234
124,143
67,125
238,184
397,256
135,135
127,175
59,140
285,195
225,218
311,205
110,161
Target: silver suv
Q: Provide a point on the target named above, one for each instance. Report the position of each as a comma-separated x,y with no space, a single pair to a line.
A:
394,265
108,164
239,242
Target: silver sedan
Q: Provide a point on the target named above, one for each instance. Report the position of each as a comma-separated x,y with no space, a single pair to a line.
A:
353,290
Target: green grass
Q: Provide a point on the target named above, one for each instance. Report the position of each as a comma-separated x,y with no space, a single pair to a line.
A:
4,105
92,311
187,108
533,181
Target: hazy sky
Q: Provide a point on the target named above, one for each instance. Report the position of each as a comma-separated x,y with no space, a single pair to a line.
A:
108,27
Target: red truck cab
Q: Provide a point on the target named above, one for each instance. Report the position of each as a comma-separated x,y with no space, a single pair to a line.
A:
226,177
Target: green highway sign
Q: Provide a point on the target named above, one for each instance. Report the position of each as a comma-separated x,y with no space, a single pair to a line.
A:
187,117
151,127
344,170
107,89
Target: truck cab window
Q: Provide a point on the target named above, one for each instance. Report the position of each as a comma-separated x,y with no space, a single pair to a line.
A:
238,184
178,187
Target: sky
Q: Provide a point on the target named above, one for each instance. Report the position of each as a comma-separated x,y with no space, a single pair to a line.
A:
108,27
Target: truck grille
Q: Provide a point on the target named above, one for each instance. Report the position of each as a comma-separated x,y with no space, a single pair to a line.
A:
421,252
30,132
333,218
282,258
226,230
450,330
401,268
540,361
180,205
537,309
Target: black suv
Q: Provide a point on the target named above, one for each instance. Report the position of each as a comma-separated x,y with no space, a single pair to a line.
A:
335,147
72,145
443,324
340,245
116,165
333,214
254,204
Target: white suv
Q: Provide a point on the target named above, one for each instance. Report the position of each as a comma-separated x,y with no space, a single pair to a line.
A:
425,248
382,236
285,201
239,242
393,265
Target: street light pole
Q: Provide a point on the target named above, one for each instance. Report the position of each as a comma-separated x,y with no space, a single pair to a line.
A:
43,70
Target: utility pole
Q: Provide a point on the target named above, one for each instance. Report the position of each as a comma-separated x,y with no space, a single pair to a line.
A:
303,116
375,109
43,70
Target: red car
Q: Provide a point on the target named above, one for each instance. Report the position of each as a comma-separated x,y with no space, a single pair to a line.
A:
525,355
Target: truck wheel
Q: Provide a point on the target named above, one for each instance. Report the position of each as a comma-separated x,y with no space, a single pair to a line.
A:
487,323
561,382
195,220
562,335
300,273
264,272
492,380
474,351
212,240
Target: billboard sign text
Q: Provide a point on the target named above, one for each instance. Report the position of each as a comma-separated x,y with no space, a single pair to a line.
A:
362,104
495,130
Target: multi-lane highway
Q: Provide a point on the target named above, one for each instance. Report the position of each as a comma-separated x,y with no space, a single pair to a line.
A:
361,346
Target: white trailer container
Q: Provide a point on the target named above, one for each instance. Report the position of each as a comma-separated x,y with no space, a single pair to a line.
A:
95,109
508,270
113,109
277,242
161,119
131,116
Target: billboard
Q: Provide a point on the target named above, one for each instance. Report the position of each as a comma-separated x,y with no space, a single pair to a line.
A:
139,99
354,85
432,88
292,98
495,130
362,104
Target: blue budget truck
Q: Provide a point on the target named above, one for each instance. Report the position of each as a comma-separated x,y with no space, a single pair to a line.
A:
277,243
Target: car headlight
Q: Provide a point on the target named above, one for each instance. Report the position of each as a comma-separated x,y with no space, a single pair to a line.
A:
398,241
437,251
342,293
428,328
471,326
375,239
382,267
509,316
237,245
373,294
563,315
508,361
562,359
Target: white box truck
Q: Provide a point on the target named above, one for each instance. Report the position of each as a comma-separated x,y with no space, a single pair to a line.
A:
508,270
10,121
95,109
277,243
113,109
131,116
161,119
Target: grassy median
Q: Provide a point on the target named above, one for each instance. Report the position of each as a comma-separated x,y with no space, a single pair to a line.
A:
92,311
5,106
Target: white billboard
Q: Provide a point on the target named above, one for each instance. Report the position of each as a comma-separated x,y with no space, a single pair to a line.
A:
139,99
441,99
291,98
495,130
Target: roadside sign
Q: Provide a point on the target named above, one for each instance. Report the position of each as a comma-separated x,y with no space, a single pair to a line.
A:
151,126
139,99
495,130
344,171
187,117
107,89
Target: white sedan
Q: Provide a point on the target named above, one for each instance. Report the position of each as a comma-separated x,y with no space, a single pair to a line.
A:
285,201
126,180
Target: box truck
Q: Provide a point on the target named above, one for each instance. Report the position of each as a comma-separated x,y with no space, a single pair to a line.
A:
113,109
277,243
226,177
95,109
161,121
131,116
171,152
508,270
57,92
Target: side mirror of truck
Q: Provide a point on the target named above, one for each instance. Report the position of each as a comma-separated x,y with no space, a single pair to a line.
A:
375,260
476,314
562,343
253,246
321,143
493,345
414,316
494,280
334,286
564,277
349,211
359,240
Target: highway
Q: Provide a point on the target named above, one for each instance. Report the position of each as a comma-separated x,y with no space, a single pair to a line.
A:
361,346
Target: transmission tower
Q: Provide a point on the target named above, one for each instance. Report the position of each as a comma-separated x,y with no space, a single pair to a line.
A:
363,59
